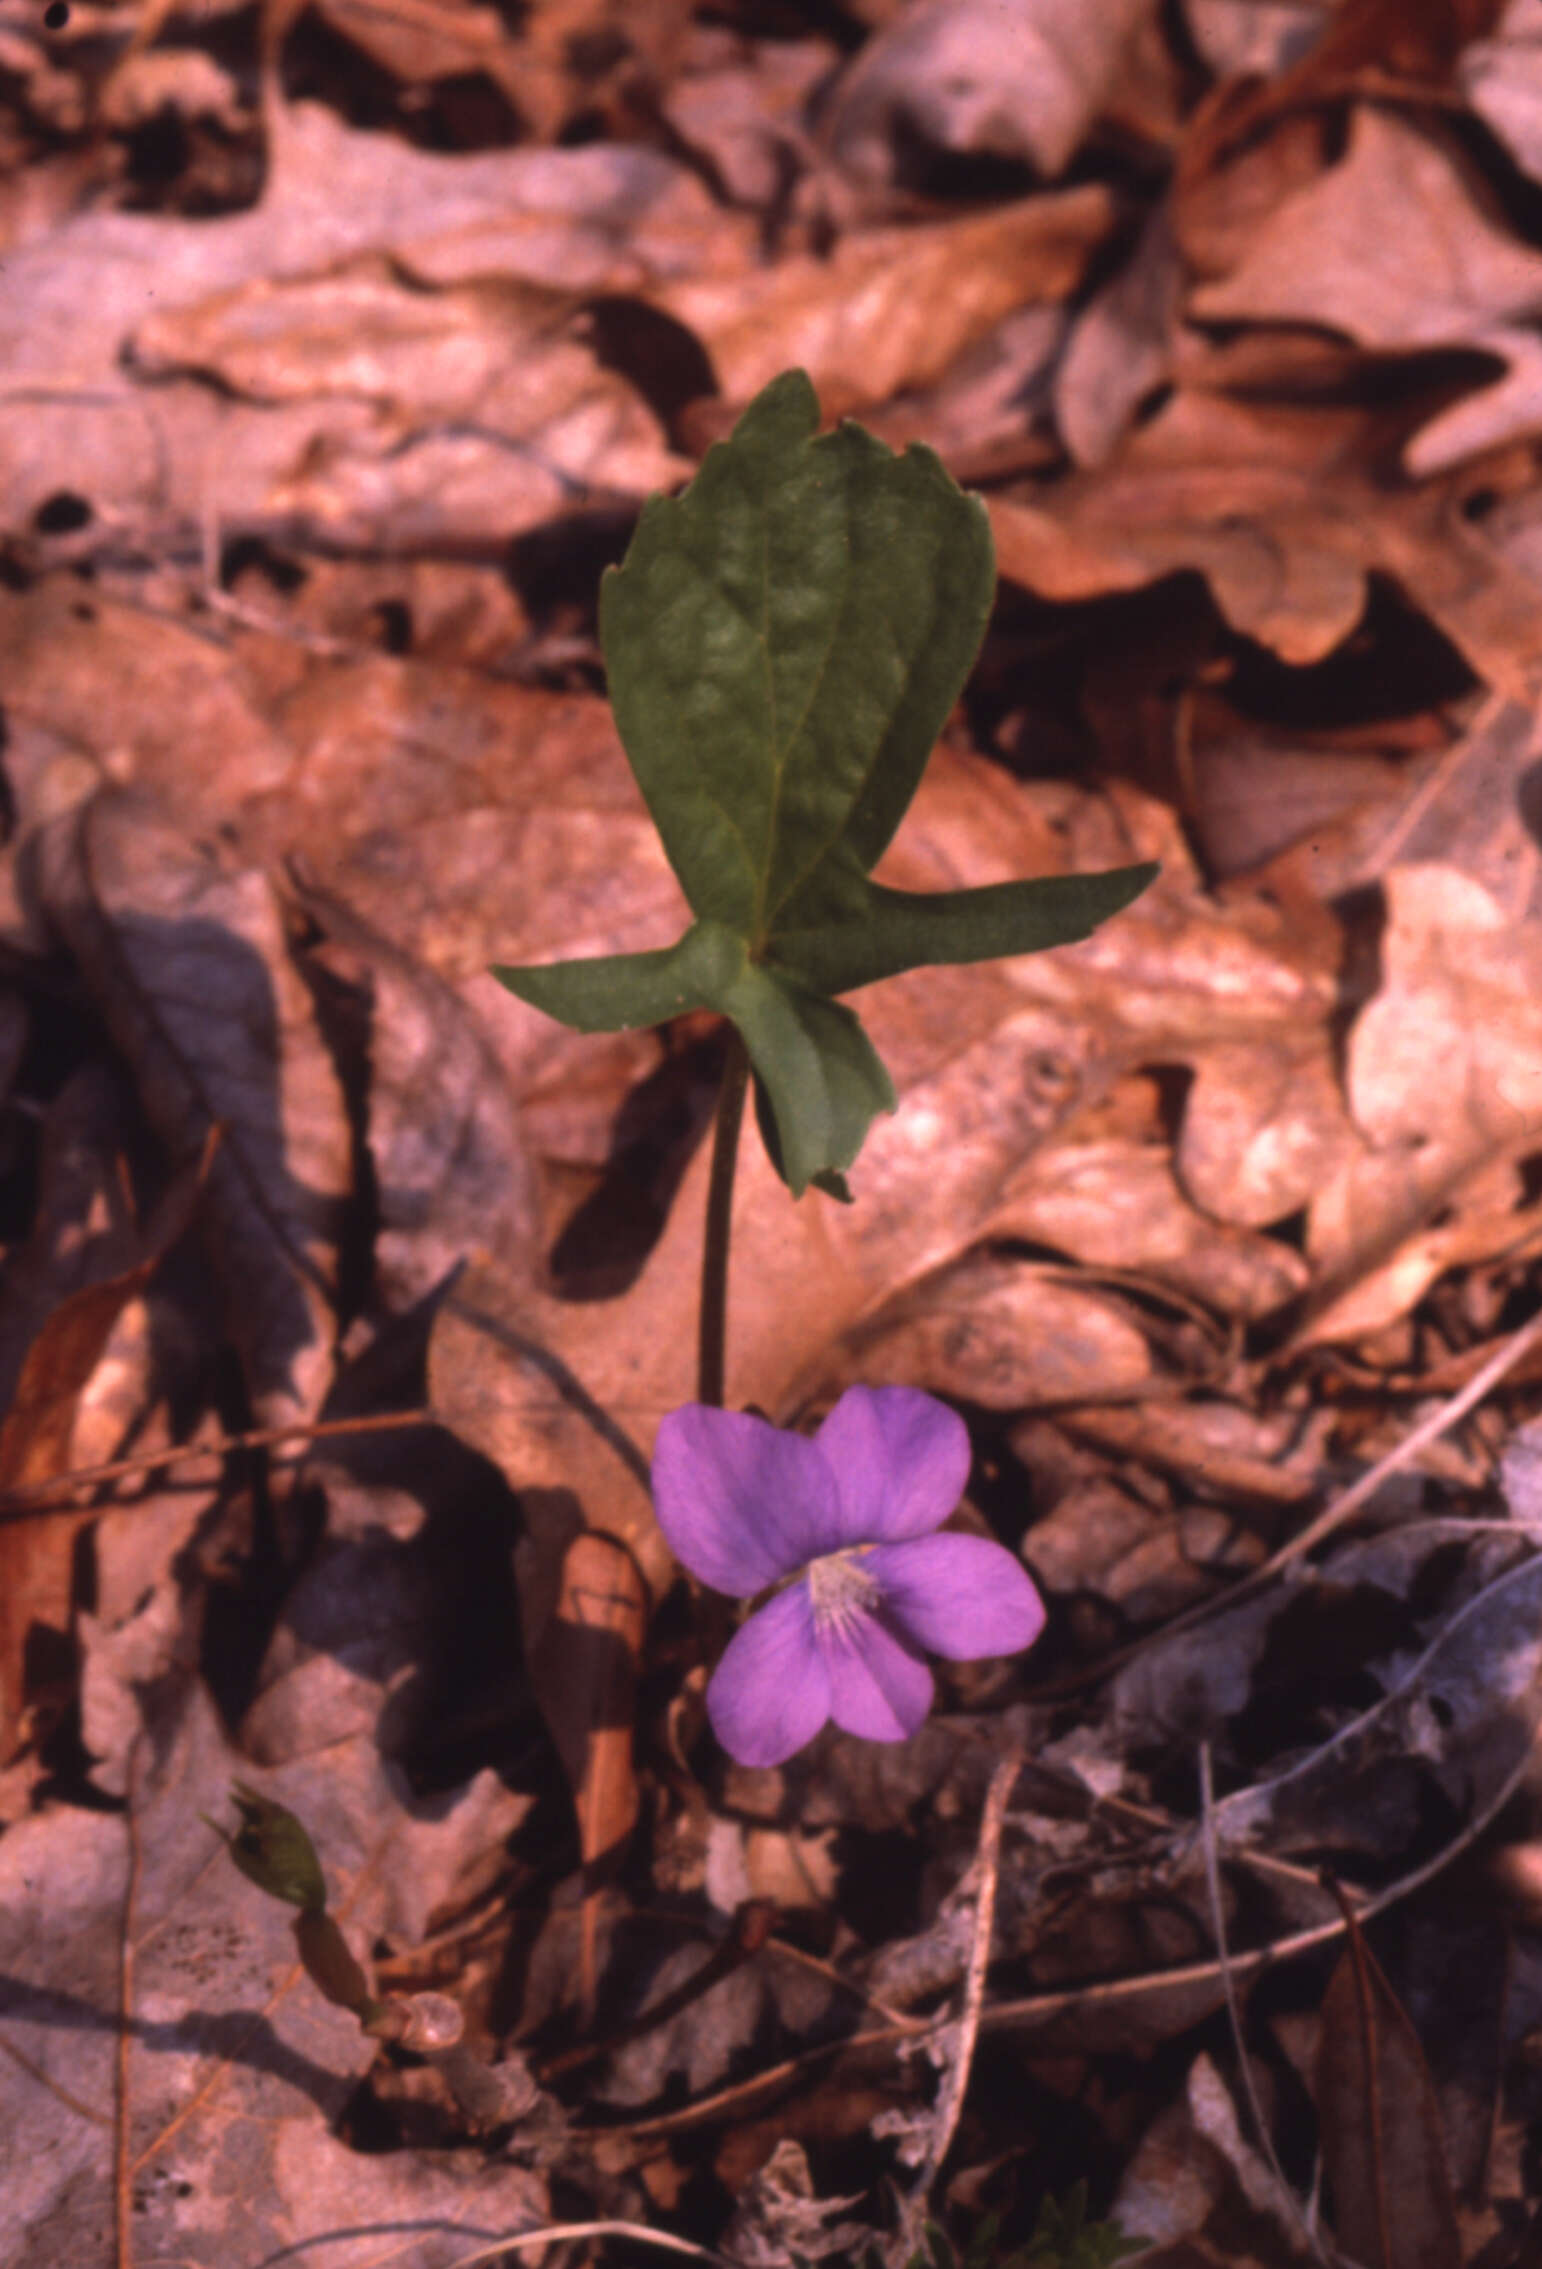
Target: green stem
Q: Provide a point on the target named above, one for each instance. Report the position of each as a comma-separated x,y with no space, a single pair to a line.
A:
711,1345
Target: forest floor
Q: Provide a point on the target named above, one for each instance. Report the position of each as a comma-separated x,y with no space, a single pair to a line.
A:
339,347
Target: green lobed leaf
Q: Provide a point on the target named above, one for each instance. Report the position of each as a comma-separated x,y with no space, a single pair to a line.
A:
909,929
618,992
818,1079
820,1082
784,641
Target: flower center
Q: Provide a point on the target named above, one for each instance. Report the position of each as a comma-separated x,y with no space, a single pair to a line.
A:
841,1590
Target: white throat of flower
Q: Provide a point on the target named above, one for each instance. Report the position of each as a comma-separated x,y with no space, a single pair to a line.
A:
841,1590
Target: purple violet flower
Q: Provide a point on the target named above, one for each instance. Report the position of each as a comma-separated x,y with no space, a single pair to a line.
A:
844,1524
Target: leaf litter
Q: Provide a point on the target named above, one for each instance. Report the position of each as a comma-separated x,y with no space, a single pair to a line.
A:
342,349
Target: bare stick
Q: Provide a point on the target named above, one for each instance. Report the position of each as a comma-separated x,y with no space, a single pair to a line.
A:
1233,2004
26,1499
638,2231
988,1867
1342,1508
1039,2009
122,2172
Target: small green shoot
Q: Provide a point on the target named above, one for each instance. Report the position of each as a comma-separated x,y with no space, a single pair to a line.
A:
784,641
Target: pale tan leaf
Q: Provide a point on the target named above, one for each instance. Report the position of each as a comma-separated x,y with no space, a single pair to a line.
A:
1447,275
1241,36
188,964
1264,1126
1115,1204
237,2070
1274,506
1006,1335
75,416
966,76
1502,79
890,309
583,1671
1121,348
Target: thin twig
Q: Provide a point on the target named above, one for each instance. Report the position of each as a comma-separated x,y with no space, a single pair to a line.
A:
122,2172
23,1499
851,1986
1233,2004
988,1869
1430,789
1040,2009
554,2232
1342,1508
1504,1358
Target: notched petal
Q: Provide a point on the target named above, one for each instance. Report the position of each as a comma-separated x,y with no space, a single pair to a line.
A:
741,1503
900,1460
959,1596
770,1694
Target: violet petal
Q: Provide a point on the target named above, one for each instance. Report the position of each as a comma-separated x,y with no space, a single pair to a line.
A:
740,1502
878,1688
900,1460
959,1596
771,1691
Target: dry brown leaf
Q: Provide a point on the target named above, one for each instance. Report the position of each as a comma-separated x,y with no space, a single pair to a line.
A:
236,2070
1383,2144
742,106
1226,189
1115,1204
1274,506
469,822
486,414
1256,795
1243,131
1502,80
81,1269
359,329
890,308
1240,38
1459,990
1176,2185
1264,1126
1435,1180
1237,492
1006,1335
1121,348
90,686
167,456
1219,1447
1448,275
577,57
452,1173
187,962
37,1555
583,1672
964,75
425,40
